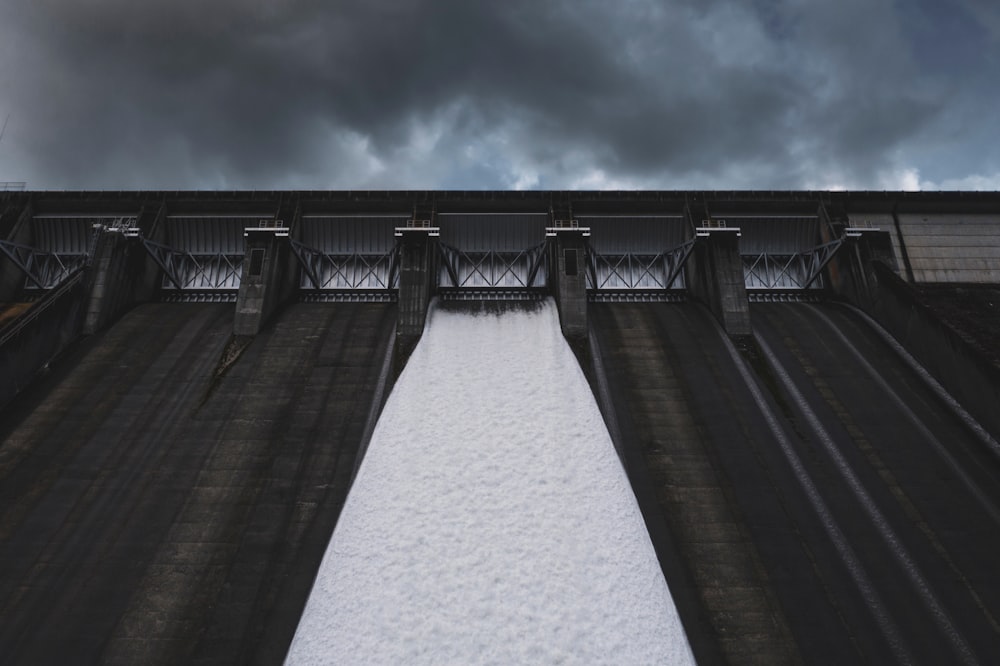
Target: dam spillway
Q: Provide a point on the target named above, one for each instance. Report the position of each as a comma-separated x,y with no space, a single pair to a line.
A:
491,520
801,387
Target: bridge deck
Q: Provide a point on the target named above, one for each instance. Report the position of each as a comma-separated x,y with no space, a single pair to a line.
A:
151,514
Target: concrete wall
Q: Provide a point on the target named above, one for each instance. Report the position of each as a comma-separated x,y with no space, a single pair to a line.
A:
116,268
849,273
262,285
971,378
715,277
417,272
41,334
568,267
952,248
152,223
941,247
11,277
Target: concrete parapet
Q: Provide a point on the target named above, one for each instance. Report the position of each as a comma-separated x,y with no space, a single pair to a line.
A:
568,249
715,277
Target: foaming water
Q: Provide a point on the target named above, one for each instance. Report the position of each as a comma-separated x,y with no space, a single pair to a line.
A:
491,521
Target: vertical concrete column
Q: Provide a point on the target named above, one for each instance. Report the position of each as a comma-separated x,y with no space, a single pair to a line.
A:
715,277
568,266
116,268
152,226
417,279
851,272
264,266
11,277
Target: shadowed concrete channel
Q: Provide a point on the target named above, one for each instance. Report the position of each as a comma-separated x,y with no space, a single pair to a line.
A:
809,496
155,511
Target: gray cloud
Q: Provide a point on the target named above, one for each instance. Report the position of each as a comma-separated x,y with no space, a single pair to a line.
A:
451,93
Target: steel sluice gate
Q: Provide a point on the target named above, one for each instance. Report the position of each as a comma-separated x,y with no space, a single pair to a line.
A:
491,255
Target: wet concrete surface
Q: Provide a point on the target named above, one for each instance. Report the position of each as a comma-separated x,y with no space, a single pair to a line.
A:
156,510
825,505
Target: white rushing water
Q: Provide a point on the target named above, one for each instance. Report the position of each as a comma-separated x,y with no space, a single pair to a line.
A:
491,520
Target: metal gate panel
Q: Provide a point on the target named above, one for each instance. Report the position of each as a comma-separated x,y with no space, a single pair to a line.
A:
208,250
778,252
210,235
635,252
776,235
60,244
349,252
356,234
623,234
503,232
63,235
492,251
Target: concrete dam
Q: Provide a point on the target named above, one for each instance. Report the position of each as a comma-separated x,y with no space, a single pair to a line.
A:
800,387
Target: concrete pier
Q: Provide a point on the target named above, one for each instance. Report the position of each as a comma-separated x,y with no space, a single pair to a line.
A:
265,267
569,280
417,279
715,277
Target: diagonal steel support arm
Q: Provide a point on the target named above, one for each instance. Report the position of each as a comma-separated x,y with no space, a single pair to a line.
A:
821,256
685,250
536,263
23,257
304,253
447,255
164,255
44,269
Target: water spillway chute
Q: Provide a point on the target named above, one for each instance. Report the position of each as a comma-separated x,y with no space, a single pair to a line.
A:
491,520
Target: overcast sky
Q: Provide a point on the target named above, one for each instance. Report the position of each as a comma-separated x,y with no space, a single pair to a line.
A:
467,94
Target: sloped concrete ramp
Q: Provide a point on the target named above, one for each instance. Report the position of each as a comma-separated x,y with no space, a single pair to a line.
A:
824,504
157,509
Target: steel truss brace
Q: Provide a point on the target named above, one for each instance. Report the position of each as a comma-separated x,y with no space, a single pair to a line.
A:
482,262
173,262
820,257
683,252
353,269
625,266
44,269
809,265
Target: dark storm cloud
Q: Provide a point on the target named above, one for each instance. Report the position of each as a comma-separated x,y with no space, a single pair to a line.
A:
453,93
